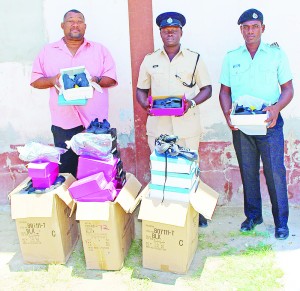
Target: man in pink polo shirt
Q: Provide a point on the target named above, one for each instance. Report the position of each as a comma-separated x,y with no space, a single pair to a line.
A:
74,50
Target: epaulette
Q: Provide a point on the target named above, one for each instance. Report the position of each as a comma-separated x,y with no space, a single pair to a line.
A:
234,50
192,51
152,52
274,44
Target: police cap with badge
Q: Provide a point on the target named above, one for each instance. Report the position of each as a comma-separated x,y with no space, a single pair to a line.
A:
170,19
251,14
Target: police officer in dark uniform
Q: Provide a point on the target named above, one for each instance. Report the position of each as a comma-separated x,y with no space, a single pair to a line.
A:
262,71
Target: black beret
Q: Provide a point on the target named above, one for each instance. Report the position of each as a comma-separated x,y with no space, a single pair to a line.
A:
170,19
251,14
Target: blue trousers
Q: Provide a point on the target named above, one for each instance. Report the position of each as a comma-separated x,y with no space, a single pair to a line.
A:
69,160
270,148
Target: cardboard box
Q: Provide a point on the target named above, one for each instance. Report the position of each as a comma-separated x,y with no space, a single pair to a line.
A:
251,124
93,188
76,93
88,166
166,111
63,102
41,170
175,164
46,229
170,229
107,228
43,183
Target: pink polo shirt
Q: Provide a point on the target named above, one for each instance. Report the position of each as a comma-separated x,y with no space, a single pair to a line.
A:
97,61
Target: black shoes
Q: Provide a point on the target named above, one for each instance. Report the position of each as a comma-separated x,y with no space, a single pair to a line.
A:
99,127
171,102
281,233
202,221
250,224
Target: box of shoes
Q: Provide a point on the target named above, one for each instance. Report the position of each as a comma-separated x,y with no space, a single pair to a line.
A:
179,180
88,166
249,121
43,174
75,83
93,188
170,193
176,164
63,102
170,228
107,228
166,105
46,227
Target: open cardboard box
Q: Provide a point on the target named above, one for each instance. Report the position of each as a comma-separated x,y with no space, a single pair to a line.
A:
170,229
47,230
76,93
166,111
107,228
251,124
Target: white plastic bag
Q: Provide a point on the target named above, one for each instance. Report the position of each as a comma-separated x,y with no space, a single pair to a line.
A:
90,144
37,152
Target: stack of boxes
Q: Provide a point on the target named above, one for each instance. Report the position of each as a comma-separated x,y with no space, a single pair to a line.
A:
105,196
99,180
172,178
170,213
43,174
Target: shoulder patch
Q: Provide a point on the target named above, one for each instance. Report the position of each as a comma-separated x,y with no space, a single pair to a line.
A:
234,50
153,52
274,44
192,51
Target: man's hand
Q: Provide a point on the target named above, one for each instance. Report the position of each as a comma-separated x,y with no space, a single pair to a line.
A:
228,120
273,111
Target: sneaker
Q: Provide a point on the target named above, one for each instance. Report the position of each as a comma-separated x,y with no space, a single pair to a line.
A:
81,80
68,82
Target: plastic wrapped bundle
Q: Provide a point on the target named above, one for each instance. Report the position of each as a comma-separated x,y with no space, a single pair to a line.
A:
37,152
93,145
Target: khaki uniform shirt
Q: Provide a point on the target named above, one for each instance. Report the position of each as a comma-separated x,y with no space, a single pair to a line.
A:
165,78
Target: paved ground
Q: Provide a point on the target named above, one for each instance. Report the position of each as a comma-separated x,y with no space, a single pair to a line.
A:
225,220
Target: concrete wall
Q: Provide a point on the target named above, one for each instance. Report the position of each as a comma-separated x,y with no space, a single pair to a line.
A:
211,30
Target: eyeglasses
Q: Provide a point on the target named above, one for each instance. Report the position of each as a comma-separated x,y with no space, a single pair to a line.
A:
250,27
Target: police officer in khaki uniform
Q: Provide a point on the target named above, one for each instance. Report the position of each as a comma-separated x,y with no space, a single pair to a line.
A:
170,71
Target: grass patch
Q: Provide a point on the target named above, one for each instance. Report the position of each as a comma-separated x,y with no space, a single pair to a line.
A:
79,268
133,265
204,244
253,268
252,233
134,257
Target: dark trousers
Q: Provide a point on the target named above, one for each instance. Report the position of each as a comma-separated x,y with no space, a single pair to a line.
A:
270,148
69,160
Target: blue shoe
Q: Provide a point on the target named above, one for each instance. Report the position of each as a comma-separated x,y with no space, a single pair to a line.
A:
59,180
103,127
93,125
81,80
68,82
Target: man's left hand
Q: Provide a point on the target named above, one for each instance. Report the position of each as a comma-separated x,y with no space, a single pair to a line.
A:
273,115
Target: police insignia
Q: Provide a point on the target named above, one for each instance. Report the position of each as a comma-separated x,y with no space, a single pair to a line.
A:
254,15
169,20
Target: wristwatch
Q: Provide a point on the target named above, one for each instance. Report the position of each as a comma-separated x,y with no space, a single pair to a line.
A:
193,103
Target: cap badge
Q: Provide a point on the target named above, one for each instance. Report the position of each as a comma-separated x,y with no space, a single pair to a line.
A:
254,15
169,20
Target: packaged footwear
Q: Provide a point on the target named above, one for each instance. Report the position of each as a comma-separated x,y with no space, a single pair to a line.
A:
68,82
81,80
